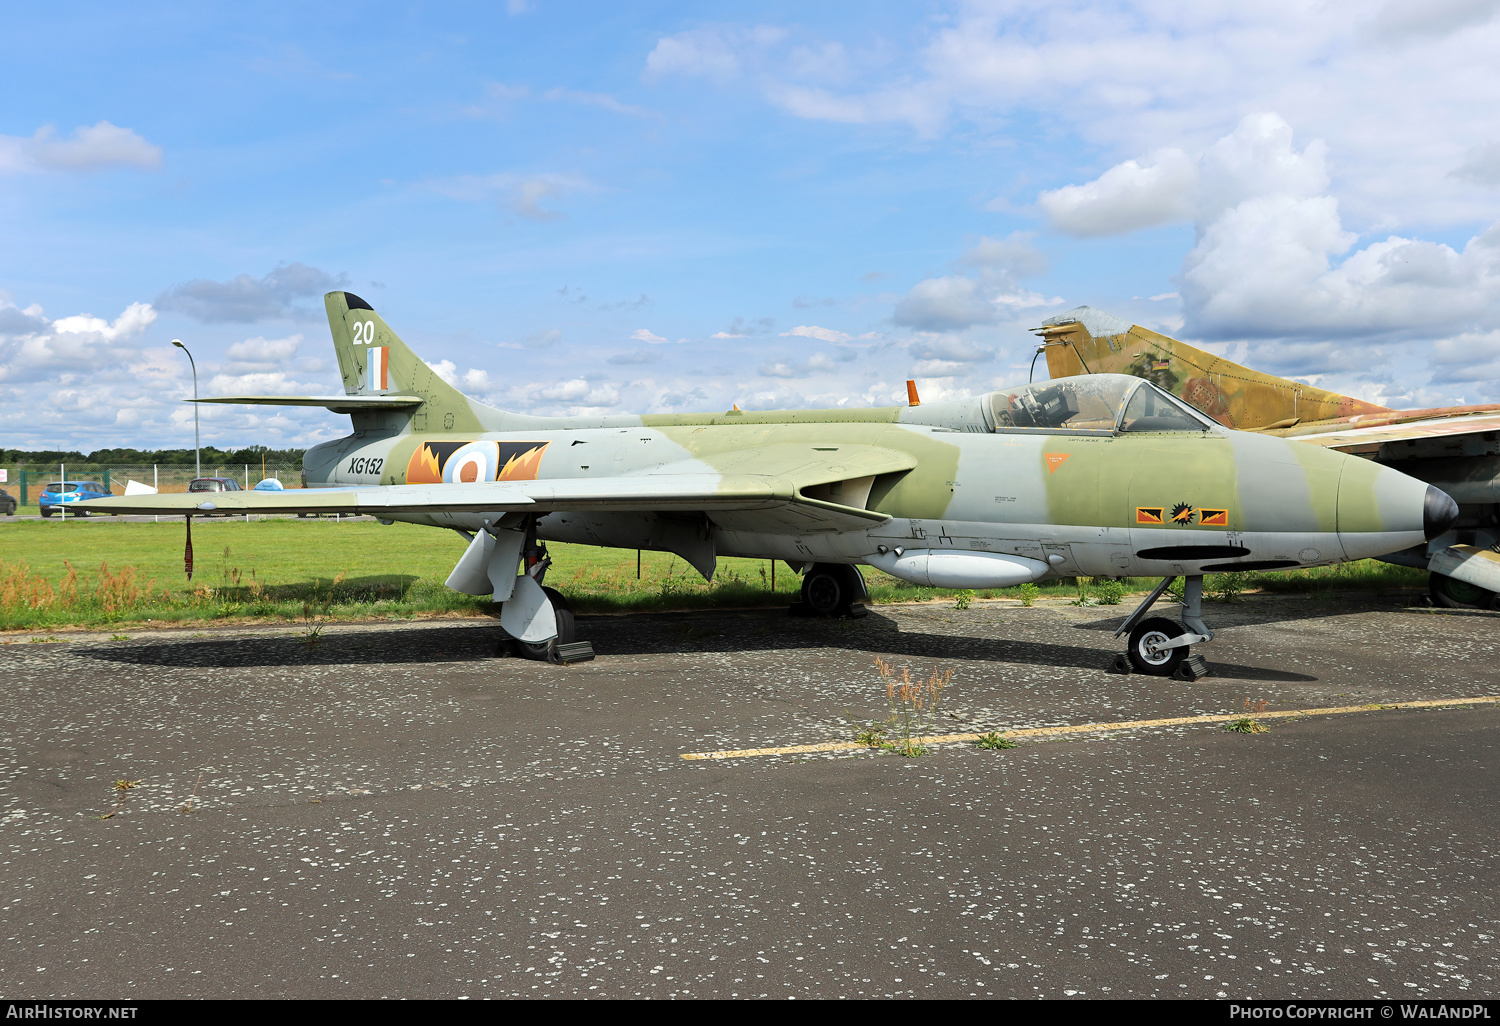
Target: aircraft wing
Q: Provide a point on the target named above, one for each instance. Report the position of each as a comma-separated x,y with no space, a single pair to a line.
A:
766,488
336,403
1368,438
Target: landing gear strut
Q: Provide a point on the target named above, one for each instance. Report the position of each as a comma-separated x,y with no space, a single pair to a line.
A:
831,589
538,608
1159,646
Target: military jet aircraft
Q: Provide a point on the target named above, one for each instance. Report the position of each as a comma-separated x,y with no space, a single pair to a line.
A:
1454,448
1098,475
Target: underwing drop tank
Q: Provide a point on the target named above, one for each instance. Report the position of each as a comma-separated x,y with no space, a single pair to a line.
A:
933,568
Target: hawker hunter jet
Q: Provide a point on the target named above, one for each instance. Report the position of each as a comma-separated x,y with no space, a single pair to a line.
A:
1104,475
1454,448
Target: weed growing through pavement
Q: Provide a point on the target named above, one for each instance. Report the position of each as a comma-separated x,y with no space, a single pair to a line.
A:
49,639
189,806
913,708
315,610
1029,592
122,788
119,637
1248,724
964,599
995,741
314,632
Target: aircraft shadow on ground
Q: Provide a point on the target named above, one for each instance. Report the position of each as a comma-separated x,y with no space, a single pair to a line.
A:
335,591
1259,610
642,634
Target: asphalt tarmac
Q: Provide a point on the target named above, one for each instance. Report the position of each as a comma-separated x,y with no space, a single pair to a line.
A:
387,811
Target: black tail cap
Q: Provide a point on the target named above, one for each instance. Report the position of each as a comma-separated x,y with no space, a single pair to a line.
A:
355,303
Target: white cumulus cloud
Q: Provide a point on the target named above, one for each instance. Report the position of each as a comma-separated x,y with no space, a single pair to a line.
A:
136,319
87,148
1130,195
258,350
813,331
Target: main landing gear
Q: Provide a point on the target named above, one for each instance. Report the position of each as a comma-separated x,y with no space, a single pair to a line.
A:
831,590
534,611
1452,593
1159,646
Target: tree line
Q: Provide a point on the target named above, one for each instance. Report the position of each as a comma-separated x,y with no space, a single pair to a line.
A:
212,456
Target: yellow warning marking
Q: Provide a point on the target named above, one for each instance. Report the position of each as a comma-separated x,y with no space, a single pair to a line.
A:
1095,728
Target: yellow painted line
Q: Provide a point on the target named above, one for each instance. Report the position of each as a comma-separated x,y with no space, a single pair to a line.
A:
1095,728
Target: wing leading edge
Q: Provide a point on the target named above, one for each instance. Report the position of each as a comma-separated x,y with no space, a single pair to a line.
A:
1367,438
336,403
777,501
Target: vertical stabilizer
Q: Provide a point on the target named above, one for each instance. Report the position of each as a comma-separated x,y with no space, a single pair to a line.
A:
1089,341
374,361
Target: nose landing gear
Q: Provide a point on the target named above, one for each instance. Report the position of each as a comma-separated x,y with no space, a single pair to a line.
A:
1159,646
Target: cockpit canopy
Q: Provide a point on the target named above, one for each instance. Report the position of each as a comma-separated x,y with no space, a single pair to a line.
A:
1104,403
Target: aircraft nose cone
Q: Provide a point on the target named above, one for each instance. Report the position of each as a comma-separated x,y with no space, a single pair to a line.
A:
1438,512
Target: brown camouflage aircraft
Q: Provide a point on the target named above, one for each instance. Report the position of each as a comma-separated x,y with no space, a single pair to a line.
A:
1455,448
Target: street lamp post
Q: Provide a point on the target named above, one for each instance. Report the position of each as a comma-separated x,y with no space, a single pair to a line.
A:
197,459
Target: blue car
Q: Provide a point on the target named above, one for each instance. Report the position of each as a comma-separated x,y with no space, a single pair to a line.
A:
61,493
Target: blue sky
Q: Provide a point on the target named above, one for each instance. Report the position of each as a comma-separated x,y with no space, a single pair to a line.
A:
575,207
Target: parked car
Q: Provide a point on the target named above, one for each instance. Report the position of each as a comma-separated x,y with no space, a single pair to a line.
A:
214,484
7,503
61,493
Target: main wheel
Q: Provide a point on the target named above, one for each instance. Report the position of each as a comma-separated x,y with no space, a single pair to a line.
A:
1452,593
1152,632
565,627
829,589
46,511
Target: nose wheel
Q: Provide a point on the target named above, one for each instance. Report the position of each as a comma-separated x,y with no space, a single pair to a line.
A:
1148,652
1160,647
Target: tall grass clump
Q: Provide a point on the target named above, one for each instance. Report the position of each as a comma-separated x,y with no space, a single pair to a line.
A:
28,599
912,709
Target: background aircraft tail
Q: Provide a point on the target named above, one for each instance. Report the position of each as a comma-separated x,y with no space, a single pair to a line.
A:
1085,340
373,361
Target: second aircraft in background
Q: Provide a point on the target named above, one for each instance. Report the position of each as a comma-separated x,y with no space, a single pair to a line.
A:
1454,448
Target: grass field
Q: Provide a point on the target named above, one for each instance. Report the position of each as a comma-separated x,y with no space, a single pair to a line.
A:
96,572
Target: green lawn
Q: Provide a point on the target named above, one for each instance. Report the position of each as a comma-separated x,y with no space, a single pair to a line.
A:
99,571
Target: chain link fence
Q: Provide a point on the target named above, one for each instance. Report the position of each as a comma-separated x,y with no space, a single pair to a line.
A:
26,481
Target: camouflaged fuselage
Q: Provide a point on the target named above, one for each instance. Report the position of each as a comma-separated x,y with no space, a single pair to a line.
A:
1102,491
1080,502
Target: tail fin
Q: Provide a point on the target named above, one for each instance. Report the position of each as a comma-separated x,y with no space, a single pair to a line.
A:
1085,340
374,361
